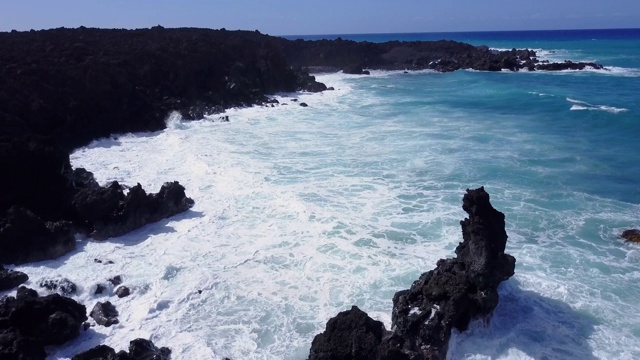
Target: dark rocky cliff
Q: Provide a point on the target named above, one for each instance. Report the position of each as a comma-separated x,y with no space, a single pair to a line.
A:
62,88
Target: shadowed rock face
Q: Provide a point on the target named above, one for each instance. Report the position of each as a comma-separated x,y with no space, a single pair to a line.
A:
455,292
24,237
107,212
10,278
28,323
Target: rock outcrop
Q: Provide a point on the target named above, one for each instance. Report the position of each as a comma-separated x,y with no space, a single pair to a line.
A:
569,65
108,212
10,279
63,286
450,296
25,237
123,291
631,235
100,212
28,323
105,314
444,56
139,349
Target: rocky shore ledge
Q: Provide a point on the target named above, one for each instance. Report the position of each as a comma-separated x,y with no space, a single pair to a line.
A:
62,88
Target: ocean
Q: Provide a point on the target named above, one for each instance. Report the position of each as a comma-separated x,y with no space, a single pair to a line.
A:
301,212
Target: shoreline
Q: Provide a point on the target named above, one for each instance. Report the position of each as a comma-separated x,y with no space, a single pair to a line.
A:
63,185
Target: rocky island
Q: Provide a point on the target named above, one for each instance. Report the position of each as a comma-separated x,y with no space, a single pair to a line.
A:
62,88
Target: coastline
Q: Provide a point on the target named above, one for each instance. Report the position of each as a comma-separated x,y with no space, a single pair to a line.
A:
209,106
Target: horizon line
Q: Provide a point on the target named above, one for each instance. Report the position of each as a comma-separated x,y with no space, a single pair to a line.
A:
465,31
329,34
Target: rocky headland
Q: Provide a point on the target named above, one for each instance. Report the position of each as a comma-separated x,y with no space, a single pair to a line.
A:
443,56
62,88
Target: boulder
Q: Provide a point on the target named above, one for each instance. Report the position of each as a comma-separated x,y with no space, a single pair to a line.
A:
100,352
123,291
11,278
306,82
450,296
63,286
355,70
99,289
105,314
145,349
632,235
352,334
28,323
116,280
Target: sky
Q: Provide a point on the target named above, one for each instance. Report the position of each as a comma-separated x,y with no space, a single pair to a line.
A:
288,17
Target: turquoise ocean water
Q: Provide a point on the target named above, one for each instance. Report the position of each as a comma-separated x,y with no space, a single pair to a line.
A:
302,212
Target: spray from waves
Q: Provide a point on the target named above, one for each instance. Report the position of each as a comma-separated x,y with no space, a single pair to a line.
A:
621,71
582,105
174,121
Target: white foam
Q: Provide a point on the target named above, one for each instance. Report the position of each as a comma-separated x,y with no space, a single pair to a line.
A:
582,105
540,94
175,121
301,212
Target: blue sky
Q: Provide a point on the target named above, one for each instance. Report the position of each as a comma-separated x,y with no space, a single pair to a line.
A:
287,17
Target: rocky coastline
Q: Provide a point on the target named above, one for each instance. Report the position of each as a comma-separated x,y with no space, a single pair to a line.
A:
457,291
62,88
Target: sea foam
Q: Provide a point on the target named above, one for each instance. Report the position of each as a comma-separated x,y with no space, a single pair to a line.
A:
301,212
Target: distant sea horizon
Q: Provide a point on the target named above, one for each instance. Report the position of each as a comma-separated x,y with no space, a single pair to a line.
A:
559,35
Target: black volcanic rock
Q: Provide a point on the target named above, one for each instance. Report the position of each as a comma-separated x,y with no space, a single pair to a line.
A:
24,237
62,88
355,70
63,286
107,212
11,278
100,352
631,235
28,323
116,280
443,55
450,296
139,349
104,314
55,81
351,334
123,291
33,170
568,65
145,349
